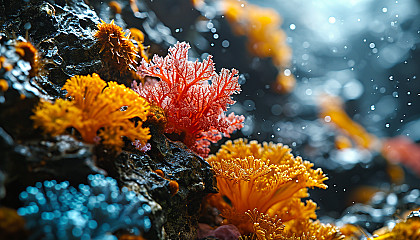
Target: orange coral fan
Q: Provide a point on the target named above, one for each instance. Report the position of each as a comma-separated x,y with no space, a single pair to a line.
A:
332,111
117,50
194,108
265,37
96,111
264,177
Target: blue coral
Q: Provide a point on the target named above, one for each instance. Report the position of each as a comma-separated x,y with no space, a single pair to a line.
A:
59,211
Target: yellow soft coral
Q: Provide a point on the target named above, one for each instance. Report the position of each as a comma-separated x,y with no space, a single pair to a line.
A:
97,110
265,177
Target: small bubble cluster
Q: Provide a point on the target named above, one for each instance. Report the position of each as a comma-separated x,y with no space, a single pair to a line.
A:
59,211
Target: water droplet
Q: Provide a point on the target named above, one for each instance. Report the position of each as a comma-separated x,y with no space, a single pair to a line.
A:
216,36
308,92
384,9
331,20
372,45
327,119
395,94
292,26
387,125
409,103
391,78
225,43
372,107
287,72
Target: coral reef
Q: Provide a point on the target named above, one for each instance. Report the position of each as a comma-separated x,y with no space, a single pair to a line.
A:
64,119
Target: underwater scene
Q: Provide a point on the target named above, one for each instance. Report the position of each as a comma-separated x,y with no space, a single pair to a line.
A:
209,119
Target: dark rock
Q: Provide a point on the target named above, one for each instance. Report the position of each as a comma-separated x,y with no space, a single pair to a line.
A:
63,33
180,210
61,158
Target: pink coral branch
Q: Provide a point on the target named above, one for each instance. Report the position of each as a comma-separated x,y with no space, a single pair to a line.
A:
192,105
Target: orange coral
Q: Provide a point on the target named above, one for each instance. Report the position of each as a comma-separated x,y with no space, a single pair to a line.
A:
117,50
193,97
332,111
272,228
138,36
265,227
115,7
96,110
30,54
265,37
408,229
265,177
4,85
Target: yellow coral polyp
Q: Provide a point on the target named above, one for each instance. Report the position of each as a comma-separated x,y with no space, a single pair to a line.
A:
265,177
265,227
97,110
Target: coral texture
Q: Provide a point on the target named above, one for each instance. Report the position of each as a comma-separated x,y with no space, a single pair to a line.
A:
264,177
100,112
118,51
58,211
194,107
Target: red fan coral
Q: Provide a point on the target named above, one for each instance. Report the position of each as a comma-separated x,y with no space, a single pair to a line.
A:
96,111
193,97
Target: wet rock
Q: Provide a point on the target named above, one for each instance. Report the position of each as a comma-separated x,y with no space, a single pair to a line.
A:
176,178
61,158
386,207
63,33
